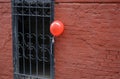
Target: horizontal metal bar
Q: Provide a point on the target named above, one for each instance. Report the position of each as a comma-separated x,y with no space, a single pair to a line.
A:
31,7
30,15
32,1
25,75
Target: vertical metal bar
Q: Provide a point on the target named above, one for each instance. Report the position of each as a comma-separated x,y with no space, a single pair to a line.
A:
52,11
23,40
36,40
17,46
30,40
52,41
51,58
43,37
13,33
15,30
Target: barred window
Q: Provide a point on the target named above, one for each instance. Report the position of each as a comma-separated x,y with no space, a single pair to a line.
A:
32,42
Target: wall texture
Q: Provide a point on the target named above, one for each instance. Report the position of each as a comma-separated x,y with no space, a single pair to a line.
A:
89,48
90,45
88,1
6,67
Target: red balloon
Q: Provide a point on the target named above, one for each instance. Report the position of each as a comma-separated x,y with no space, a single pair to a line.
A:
57,28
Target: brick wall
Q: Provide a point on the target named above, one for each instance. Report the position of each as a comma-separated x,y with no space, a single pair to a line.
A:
89,48
6,71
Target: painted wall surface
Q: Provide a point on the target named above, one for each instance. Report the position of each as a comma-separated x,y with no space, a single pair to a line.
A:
89,1
6,65
90,45
89,48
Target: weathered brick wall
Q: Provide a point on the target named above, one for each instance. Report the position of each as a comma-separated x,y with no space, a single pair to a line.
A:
6,71
89,48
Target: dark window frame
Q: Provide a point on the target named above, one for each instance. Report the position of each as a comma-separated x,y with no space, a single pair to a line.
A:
28,15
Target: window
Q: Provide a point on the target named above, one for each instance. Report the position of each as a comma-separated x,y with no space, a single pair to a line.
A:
32,42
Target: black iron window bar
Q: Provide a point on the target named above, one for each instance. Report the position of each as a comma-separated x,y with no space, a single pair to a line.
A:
32,42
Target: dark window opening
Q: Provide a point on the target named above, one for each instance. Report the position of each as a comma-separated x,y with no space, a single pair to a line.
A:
32,41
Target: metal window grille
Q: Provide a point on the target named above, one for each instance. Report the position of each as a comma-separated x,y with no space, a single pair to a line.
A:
32,42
